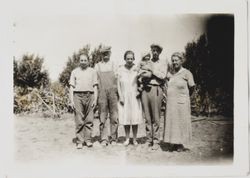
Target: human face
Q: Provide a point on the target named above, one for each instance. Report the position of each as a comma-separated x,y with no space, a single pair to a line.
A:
155,53
176,62
84,62
106,56
129,59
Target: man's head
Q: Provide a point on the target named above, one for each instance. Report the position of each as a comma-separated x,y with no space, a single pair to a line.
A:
106,53
156,51
83,61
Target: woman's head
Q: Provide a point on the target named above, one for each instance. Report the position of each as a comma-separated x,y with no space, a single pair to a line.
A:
129,57
177,59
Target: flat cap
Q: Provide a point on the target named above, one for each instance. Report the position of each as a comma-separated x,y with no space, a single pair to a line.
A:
105,49
156,46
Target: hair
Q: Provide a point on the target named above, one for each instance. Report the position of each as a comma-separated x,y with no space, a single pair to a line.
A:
84,54
129,52
179,55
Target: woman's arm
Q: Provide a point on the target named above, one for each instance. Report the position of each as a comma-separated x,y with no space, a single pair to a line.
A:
120,91
191,90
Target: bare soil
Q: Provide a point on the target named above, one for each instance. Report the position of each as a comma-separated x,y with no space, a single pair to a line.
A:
40,139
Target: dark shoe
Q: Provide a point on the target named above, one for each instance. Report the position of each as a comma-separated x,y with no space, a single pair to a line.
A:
183,150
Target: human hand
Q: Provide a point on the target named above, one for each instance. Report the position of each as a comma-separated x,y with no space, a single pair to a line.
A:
122,101
94,103
72,104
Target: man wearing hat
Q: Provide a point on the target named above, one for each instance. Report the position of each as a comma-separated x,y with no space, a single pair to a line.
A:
108,97
152,96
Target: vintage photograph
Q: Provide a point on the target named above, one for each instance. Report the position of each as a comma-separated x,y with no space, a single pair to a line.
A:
124,89
141,89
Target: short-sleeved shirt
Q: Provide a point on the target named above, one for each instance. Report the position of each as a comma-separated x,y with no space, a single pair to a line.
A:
159,69
83,79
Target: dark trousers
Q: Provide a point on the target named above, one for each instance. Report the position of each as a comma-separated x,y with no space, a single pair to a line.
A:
107,104
151,103
83,116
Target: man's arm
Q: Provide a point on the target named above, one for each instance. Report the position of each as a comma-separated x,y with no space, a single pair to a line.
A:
95,88
71,89
95,96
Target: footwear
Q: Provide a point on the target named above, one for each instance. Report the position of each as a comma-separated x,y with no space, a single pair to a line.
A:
126,143
104,143
155,147
182,149
79,145
89,144
148,144
135,142
113,143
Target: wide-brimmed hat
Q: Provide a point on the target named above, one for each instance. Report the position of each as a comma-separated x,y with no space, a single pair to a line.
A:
159,48
105,49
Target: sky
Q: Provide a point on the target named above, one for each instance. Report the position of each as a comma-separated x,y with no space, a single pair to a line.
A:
56,37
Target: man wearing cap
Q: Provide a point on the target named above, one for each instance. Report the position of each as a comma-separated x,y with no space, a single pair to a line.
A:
152,96
108,97
83,96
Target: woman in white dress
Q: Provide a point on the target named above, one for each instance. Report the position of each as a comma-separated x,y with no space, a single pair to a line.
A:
130,112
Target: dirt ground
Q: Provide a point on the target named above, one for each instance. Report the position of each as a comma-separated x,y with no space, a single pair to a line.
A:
40,139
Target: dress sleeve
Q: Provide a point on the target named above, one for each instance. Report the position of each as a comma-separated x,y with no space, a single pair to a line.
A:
72,81
190,79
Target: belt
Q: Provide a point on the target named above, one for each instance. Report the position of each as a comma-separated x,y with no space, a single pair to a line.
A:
84,92
153,85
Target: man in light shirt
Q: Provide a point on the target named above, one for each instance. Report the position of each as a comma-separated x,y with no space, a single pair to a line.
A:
152,96
108,97
83,96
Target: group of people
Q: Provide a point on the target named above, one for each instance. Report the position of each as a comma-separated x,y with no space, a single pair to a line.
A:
130,94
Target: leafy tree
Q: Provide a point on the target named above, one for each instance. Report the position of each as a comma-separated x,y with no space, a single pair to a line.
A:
29,72
96,55
71,64
214,89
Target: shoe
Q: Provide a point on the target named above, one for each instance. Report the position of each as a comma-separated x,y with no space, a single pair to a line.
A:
155,147
135,142
148,144
104,143
79,145
126,143
182,149
89,144
113,143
